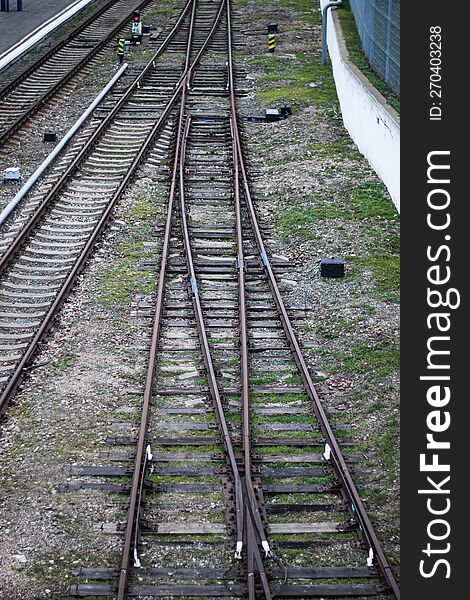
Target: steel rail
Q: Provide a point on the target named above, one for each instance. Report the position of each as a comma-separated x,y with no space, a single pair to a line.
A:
254,557
143,450
332,448
250,517
50,53
211,375
68,283
243,318
7,257
50,93
135,500
253,554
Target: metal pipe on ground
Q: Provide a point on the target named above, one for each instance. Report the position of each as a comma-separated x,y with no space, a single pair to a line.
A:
60,146
324,27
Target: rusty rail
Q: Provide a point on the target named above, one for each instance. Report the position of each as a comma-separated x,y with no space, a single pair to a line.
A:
248,515
333,453
143,450
254,560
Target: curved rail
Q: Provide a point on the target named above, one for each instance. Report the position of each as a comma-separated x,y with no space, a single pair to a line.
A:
250,531
333,452
143,450
254,562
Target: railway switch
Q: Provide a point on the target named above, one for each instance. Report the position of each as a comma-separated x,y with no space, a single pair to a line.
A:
332,267
136,31
12,174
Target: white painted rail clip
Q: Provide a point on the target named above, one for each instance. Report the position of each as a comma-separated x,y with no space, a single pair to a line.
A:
327,453
370,558
238,550
266,548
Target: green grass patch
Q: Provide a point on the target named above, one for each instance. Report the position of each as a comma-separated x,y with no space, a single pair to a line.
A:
286,398
332,329
265,379
368,200
363,201
342,148
379,359
65,361
368,309
375,406
286,80
119,281
386,271
306,418
387,443
142,209
309,10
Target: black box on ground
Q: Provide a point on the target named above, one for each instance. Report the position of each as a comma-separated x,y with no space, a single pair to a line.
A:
272,114
332,267
50,135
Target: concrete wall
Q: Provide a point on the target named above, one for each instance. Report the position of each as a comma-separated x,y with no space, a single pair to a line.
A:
372,123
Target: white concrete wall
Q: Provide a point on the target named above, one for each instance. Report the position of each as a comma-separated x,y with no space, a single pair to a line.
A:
372,123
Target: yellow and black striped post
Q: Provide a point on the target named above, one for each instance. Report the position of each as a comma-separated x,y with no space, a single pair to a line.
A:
271,42
120,49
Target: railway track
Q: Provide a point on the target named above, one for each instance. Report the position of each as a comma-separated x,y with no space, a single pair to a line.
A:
249,448
27,92
45,252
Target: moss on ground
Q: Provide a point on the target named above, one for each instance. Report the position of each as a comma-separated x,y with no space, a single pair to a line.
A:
122,279
385,269
358,201
288,79
310,12
376,359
